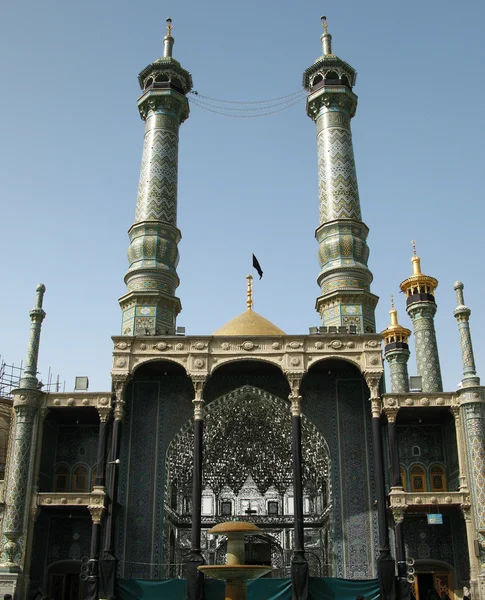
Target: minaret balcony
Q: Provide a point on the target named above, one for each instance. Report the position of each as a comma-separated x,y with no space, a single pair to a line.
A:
96,498
420,400
430,501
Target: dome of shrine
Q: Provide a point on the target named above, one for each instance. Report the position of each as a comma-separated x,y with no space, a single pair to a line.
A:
249,323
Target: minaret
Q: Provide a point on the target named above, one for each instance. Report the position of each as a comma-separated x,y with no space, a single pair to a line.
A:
26,402
150,306
462,315
344,277
396,352
421,307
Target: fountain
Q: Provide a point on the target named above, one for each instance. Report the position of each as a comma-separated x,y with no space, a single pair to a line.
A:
235,572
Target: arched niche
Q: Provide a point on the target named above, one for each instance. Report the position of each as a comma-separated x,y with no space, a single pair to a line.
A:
247,371
248,467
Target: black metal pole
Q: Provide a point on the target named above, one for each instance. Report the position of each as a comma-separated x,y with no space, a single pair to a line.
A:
195,579
403,590
395,466
101,464
299,564
386,565
380,491
108,561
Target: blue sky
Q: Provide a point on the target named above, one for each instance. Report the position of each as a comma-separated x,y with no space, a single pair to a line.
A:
71,142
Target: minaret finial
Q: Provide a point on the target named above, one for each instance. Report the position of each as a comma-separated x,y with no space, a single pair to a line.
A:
168,40
392,300
413,242
326,38
249,300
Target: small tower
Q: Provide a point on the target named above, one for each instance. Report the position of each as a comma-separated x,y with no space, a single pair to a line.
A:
421,307
462,315
396,352
150,306
344,277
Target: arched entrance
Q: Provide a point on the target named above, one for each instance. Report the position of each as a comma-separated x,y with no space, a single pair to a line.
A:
247,474
431,574
63,581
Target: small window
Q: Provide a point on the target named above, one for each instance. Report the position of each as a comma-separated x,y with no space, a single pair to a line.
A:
226,509
416,451
306,505
207,505
289,505
418,479
80,479
187,505
318,79
273,508
61,479
437,478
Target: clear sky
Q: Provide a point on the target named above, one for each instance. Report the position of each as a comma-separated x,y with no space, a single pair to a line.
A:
71,140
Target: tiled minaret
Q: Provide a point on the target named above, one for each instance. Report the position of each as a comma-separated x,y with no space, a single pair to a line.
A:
26,402
421,307
344,277
472,407
150,305
396,352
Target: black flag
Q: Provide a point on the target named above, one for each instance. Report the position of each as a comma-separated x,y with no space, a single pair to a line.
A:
257,266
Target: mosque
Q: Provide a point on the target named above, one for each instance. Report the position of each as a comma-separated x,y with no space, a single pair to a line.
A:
295,433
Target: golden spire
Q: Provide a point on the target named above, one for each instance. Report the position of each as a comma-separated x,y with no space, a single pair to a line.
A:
249,300
169,26
168,40
395,333
418,283
326,38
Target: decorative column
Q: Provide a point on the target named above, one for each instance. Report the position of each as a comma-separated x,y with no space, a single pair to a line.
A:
472,401
108,561
195,578
344,277
398,514
385,564
150,306
299,564
96,507
396,352
20,474
421,307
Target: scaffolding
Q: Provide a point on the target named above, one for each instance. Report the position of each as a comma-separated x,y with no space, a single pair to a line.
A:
10,376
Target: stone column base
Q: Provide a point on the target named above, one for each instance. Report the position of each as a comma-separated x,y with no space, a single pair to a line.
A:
9,580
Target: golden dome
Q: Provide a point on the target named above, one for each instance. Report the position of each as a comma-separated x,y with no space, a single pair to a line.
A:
249,323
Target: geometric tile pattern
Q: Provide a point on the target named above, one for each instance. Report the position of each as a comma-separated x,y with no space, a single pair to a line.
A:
343,251
474,421
157,190
337,179
427,358
336,403
19,469
398,368
153,253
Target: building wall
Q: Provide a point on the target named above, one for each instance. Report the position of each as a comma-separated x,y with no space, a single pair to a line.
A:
58,536
335,399
156,408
